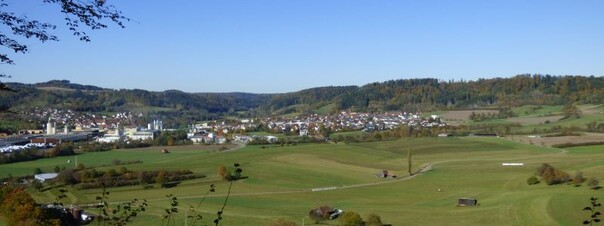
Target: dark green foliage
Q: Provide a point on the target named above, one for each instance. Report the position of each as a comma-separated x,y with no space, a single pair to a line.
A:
532,180
20,156
350,218
36,184
119,214
505,112
410,95
568,145
232,178
90,178
169,213
195,214
594,216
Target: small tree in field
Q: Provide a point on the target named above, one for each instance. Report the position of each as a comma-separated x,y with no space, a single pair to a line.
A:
532,180
373,220
350,218
223,172
578,179
593,183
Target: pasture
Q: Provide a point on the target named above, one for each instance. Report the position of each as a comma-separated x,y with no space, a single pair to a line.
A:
281,180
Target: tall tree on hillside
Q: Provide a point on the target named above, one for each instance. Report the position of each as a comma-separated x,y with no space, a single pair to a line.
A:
570,110
79,15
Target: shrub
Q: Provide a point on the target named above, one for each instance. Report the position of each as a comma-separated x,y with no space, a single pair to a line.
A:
593,183
373,220
350,218
532,180
578,179
552,175
223,172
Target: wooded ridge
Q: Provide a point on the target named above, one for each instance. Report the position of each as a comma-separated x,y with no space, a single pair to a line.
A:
403,94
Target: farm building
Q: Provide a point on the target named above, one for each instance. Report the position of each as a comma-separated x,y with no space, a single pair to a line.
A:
45,176
467,202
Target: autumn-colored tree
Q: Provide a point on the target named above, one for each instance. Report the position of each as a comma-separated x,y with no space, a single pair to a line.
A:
552,175
161,177
570,110
578,179
224,173
19,207
170,141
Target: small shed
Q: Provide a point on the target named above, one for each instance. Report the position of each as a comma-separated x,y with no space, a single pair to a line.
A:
45,176
467,202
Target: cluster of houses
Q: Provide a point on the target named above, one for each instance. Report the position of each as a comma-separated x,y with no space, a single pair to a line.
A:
67,125
310,125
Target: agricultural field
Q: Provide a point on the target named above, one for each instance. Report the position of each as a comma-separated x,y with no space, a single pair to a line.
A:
461,116
554,140
281,182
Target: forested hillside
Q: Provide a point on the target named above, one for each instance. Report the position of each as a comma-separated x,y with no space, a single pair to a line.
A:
65,95
433,94
404,94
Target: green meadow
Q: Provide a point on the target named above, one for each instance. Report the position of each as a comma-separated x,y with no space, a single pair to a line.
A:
281,180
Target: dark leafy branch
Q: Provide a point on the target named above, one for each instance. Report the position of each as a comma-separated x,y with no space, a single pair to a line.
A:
234,177
196,216
594,216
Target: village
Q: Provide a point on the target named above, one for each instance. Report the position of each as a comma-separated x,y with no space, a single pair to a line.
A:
70,126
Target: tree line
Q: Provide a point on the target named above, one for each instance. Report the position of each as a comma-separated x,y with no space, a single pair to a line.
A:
430,93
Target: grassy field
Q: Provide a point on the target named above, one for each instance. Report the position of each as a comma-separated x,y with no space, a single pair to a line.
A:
281,180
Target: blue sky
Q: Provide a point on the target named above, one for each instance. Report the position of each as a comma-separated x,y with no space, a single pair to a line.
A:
263,46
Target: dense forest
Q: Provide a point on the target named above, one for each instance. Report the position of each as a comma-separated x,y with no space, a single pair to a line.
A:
62,94
403,94
433,94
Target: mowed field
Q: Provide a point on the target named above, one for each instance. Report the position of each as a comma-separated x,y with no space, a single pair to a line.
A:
281,180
